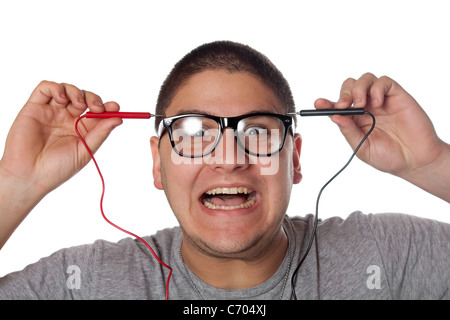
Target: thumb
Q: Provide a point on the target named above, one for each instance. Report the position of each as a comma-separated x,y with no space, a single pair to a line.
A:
99,133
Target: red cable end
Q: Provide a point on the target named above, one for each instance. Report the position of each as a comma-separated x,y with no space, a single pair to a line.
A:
123,115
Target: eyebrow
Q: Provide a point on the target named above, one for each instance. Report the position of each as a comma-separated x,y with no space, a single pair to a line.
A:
194,111
205,112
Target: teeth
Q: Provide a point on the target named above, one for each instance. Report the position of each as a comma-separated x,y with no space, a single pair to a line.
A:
250,202
234,190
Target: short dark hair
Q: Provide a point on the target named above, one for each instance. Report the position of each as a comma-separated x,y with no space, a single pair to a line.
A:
229,56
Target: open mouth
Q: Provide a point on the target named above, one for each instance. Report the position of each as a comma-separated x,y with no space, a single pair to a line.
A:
229,198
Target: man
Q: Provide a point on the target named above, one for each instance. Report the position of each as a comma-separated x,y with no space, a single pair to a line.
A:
228,182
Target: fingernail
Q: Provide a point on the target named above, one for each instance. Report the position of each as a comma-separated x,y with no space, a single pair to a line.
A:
98,103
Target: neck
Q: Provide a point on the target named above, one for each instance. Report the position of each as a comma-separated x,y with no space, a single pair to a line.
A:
246,271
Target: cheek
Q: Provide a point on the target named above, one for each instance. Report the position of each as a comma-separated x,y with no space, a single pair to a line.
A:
280,181
178,180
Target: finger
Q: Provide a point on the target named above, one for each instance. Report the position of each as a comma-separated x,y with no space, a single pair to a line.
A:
47,92
82,99
112,106
361,90
94,102
345,95
380,89
322,103
76,97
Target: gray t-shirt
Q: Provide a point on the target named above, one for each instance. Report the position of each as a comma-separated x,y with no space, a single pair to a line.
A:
374,256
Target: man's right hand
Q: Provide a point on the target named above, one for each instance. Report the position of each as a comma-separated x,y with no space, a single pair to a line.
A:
42,150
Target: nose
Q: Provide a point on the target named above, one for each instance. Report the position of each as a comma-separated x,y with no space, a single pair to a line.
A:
228,156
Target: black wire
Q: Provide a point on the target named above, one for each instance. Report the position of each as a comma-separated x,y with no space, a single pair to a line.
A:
316,217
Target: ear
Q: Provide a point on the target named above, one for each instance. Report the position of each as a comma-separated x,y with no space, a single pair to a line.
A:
154,145
296,158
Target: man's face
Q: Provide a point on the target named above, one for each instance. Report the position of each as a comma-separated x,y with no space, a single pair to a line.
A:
226,229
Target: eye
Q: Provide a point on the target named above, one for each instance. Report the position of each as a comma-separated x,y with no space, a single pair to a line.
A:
199,133
255,131
190,127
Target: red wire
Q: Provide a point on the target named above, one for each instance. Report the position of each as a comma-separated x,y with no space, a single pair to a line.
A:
111,223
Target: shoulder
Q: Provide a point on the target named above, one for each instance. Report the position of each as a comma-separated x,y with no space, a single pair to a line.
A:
118,270
399,227
355,223
125,253
161,243
378,222
411,252
104,269
385,230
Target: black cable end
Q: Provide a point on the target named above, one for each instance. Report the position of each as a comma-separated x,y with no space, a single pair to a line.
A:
332,112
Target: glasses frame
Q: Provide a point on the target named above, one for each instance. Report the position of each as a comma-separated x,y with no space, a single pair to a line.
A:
225,122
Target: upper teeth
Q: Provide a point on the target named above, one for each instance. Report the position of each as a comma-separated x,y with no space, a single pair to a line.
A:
233,190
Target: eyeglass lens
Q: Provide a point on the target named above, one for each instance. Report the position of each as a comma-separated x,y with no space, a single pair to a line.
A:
197,136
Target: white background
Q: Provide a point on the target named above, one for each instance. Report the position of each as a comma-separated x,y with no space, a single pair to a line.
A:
123,50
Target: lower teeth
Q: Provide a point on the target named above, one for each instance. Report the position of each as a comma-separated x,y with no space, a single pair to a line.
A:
250,202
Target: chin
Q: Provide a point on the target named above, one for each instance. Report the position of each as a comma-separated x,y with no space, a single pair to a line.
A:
233,244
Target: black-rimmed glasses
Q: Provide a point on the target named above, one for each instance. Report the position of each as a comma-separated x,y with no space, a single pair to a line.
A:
197,135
